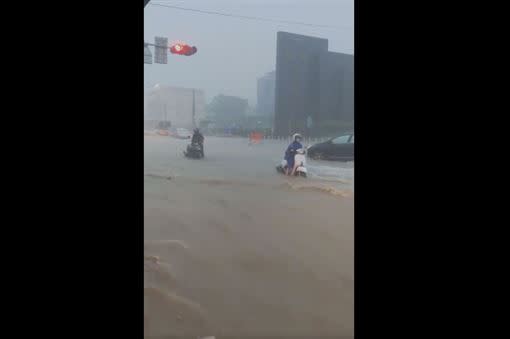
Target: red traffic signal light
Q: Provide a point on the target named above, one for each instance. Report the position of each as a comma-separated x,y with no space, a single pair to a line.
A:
183,49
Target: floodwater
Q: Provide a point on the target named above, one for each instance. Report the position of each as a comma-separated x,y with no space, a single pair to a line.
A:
234,158
234,249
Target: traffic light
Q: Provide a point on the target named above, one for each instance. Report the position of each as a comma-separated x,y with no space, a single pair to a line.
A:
183,49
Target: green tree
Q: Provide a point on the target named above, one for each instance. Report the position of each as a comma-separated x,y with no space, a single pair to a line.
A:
228,110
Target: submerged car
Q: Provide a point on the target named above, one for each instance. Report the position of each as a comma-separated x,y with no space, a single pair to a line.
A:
340,148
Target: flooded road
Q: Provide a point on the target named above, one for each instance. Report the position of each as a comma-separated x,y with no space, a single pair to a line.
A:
233,248
234,158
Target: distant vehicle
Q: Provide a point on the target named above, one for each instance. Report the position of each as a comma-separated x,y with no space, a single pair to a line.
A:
181,133
163,128
340,148
163,132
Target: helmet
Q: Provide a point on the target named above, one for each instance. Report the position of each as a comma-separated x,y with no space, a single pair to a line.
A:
297,135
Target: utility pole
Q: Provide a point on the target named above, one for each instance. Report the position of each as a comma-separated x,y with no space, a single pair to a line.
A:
193,109
162,105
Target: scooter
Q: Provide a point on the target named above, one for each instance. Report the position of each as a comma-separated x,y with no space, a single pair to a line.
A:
194,151
300,159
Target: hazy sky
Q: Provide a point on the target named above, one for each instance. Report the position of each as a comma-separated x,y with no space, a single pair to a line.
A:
233,53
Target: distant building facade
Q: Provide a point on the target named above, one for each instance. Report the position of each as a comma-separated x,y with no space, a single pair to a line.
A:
183,107
296,58
336,85
265,94
314,88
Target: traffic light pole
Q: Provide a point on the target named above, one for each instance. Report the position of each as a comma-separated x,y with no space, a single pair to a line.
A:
149,44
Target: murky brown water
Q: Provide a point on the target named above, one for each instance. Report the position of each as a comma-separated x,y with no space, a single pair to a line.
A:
246,252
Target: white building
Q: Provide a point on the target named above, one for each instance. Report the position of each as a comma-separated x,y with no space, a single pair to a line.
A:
183,107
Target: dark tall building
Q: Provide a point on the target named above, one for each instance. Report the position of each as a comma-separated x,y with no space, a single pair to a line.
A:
296,59
265,94
314,87
336,86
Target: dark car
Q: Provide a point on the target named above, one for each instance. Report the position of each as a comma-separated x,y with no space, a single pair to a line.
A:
340,148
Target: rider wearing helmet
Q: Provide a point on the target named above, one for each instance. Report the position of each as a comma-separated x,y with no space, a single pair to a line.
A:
291,151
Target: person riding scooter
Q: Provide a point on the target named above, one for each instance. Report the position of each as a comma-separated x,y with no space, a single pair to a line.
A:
291,152
198,138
